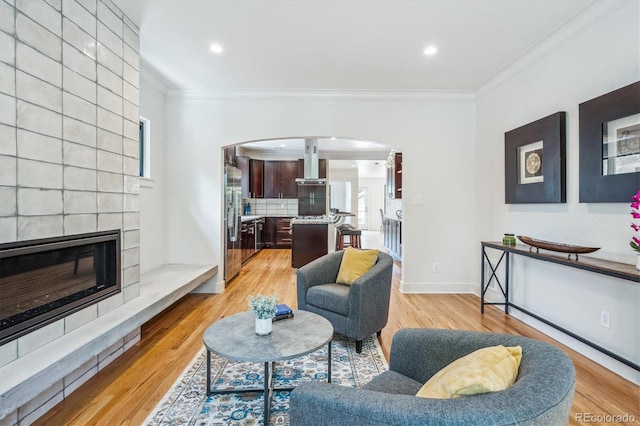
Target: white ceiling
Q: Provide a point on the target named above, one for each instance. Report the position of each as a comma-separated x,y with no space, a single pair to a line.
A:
341,44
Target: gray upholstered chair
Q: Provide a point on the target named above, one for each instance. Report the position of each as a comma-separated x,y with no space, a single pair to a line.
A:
542,394
355,311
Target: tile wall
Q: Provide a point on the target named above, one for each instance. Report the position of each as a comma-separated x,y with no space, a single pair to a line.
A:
69,114
273,206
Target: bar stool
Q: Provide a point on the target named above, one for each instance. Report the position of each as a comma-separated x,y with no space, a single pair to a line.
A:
348,231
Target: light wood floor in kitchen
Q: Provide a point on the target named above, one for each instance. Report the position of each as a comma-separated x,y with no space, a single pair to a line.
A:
128,389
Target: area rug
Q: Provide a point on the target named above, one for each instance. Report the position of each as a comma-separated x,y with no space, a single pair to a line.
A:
186,403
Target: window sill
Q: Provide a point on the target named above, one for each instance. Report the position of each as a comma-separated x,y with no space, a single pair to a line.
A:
146,182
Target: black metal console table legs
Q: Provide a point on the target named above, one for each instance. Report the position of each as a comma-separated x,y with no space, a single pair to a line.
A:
507,251
494,269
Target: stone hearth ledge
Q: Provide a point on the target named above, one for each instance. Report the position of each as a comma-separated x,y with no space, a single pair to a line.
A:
23,379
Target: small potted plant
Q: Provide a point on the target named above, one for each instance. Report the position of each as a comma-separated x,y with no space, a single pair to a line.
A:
264,308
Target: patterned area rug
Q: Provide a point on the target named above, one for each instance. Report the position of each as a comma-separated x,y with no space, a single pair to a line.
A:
186,402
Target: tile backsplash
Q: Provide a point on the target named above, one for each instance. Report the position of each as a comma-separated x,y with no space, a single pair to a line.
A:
272,206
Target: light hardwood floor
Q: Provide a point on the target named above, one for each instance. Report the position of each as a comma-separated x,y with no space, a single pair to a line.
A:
128,389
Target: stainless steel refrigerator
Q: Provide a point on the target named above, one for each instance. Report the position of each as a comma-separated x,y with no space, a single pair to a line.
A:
233,205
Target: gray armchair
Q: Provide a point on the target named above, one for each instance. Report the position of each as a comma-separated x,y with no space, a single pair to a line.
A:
542,394
356,311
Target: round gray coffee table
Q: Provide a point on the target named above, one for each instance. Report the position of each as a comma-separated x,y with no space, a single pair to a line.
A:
235,338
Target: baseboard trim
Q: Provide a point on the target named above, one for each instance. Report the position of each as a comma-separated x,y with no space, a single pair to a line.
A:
438,288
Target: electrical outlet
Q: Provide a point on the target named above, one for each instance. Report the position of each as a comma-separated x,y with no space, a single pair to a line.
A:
605,319
436,267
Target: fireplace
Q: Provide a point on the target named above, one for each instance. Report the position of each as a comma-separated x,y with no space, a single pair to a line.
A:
44,280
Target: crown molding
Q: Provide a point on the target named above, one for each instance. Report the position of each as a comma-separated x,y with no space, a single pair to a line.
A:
588,16
282,94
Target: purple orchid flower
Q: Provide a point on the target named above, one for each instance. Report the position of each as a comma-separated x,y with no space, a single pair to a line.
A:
635,213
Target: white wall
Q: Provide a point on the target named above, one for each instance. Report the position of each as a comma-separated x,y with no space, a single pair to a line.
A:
436,132
339,195
604,56
153,235
349,179
375,194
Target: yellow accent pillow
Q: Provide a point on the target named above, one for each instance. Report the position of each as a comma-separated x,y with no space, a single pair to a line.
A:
486,370
355,263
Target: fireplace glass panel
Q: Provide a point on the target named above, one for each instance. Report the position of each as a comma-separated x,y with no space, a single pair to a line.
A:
41,283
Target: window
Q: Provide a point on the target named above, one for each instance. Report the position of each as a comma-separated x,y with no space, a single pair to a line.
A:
145,148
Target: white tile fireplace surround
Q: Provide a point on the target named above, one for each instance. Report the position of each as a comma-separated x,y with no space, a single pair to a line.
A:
69,118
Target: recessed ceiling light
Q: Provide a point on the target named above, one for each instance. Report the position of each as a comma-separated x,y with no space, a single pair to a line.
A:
215,48
430,50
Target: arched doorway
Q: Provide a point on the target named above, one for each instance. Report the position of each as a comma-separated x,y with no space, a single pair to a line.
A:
352,164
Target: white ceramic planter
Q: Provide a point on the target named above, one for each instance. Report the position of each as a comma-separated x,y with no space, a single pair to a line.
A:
263,326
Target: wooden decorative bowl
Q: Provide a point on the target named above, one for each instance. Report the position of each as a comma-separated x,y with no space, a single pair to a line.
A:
559,247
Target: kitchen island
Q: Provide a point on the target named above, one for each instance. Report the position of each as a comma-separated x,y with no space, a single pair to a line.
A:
311,240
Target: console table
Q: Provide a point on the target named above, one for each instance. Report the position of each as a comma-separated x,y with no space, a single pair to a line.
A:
599,266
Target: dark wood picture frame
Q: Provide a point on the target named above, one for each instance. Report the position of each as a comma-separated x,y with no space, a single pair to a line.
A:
594,186
551,131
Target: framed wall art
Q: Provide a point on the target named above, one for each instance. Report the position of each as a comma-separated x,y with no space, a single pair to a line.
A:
610,146
534,161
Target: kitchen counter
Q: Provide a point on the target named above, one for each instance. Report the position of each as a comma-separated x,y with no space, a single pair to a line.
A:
252,217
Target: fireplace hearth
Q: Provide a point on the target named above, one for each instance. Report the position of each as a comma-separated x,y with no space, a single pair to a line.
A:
44,280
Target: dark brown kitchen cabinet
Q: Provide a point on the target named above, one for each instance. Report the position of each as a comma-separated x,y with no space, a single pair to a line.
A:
312,200
280,179
269,232
322,168
394,177
310,241
252,177
277,232
283,232
256,178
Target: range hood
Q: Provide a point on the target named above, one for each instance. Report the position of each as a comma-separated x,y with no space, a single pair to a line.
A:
311,164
